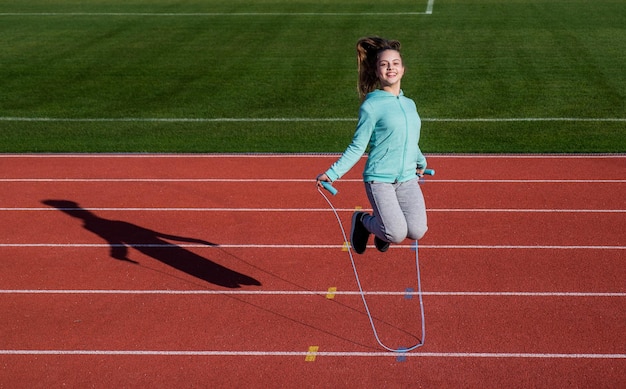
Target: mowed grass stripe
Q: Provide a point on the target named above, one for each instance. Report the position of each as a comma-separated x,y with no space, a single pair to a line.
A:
526,59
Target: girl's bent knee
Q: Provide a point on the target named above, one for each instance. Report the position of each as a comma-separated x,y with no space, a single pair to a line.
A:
418,233
396,236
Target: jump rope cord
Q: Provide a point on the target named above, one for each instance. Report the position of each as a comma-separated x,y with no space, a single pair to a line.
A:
358,281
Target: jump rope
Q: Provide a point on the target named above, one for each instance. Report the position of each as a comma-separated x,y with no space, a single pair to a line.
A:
334,192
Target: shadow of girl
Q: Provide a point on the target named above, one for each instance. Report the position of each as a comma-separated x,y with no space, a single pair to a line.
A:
121,235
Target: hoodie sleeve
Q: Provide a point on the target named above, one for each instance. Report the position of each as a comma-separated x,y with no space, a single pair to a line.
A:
357,147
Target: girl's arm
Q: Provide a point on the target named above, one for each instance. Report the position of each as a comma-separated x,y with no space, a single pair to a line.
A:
356,149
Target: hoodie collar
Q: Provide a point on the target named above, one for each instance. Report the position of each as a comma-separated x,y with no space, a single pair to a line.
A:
383,93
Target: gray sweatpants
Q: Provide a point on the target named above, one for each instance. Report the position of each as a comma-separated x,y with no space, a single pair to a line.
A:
399,211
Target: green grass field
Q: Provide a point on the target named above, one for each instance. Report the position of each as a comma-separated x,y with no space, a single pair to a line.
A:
488,76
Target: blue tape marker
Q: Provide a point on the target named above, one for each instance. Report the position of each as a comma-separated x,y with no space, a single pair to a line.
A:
402,356
408,293
328,186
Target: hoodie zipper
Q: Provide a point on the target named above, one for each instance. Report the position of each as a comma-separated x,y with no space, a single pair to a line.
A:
406,137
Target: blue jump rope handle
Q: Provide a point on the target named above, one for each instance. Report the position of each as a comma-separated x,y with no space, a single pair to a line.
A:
329,187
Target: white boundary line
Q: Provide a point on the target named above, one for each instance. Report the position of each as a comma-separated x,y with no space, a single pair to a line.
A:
305,155
295,119
306,246
213,14
208,353
310,293
429,11
315,210
290,180
429,7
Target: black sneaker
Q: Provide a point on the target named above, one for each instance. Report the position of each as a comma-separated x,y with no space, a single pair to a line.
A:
381,245
359,234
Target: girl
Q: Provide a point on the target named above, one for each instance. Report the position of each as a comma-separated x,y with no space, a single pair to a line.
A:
390,125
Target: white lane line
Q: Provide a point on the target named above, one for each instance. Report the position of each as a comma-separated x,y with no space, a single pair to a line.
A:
296,119
220,353
303,155
314,210
309,246
307,180
310,293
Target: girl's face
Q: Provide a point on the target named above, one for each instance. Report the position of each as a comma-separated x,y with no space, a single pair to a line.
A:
389,68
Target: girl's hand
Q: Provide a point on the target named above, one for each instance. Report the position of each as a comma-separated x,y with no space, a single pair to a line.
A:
420,172
322,177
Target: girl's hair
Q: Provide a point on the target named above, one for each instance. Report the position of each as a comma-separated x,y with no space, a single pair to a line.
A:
367,50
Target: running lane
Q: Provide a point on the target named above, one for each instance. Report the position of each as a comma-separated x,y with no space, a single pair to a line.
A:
234,268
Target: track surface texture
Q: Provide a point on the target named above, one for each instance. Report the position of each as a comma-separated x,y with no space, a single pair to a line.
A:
231,271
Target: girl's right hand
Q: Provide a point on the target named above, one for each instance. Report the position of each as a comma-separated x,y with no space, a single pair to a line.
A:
322,177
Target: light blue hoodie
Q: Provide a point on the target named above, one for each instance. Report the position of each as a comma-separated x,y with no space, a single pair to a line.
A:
390,126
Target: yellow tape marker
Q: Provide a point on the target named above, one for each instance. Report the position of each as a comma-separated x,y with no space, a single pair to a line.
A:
311,354
358,208
331,292
345,246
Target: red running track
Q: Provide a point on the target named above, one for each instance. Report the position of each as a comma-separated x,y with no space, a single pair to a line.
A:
226,268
